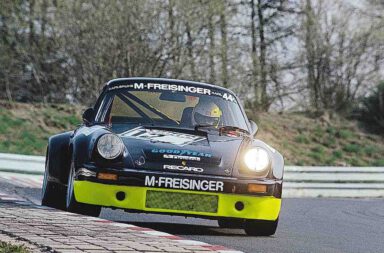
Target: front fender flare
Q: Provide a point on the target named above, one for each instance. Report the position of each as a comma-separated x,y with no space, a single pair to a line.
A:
59,157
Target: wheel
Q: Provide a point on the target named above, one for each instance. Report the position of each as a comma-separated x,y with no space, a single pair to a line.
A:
230,223
71,204
260,227
52,194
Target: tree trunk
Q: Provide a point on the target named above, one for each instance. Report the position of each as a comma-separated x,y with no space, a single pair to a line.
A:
190,50
211,35
262,58
255,63
224,46
31,22
311,55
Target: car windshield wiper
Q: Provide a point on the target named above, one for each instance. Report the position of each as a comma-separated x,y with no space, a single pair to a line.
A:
198,126
227,129
222,128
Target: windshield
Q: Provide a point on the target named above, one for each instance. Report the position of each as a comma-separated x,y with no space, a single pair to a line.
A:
169,105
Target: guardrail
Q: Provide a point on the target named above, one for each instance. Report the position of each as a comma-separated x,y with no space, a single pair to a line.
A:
333,181
25,164
299,181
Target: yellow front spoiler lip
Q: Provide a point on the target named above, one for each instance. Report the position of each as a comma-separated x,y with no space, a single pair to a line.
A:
255,207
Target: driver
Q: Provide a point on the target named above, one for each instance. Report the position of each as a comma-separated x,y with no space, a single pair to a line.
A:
206,113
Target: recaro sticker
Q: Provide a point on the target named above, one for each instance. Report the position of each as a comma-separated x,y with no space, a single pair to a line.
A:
182,168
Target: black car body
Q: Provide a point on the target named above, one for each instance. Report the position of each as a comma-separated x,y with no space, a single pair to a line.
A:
140,149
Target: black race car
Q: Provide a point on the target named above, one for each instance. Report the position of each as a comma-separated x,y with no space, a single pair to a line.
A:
171,147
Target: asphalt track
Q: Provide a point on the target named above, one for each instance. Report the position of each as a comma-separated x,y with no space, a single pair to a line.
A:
306,225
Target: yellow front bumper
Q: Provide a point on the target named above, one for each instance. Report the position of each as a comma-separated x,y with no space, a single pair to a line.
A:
255,207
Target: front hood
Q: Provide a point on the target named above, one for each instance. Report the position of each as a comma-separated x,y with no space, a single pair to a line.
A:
188,152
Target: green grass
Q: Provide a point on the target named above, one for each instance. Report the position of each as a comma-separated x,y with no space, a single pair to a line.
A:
8,248
345,134
25,129
379,162
353,148
371,151
302,139
337,154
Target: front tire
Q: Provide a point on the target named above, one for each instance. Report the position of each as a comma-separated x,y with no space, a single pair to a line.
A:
71,204
52,194
260,227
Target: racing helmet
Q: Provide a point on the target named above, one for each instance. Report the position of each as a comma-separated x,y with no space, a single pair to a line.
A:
206,113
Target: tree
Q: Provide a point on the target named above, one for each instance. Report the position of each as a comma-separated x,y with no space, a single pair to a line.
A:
340,60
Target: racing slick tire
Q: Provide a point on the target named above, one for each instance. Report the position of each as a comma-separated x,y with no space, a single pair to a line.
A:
71,204
230,223
260,227
52,194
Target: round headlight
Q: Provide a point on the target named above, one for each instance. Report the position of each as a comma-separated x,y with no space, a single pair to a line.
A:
257,159
110,146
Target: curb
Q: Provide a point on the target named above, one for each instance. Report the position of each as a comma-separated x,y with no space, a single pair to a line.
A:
21,220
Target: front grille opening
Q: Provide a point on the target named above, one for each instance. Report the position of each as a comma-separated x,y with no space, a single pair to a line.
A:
182,201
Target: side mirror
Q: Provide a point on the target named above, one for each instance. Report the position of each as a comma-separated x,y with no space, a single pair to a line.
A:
254,128
88,116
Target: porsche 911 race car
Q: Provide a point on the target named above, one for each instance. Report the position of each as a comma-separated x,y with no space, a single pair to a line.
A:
170,147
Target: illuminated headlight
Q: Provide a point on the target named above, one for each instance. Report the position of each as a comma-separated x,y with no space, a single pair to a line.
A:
257,159
110,146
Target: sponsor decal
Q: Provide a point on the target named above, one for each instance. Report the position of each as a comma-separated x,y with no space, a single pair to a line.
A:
155,135
165,87
228,97
181,152
184,184
176,88
182,168
89,130
140,161
182,157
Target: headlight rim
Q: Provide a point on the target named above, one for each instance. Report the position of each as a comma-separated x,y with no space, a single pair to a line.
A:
121,149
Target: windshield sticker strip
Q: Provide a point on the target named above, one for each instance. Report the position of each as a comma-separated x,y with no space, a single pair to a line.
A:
163,136
175,87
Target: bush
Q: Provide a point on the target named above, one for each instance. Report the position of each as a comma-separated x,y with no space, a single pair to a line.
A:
337,154
301,139
372,111
379,162
352,148
345,134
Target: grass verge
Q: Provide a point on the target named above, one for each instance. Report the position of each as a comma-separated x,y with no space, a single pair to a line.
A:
9,248
302,139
